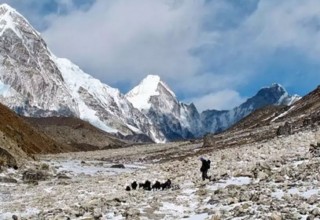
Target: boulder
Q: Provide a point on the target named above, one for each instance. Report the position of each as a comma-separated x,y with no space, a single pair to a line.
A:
285,129
34,176
7,180
120,166
6,159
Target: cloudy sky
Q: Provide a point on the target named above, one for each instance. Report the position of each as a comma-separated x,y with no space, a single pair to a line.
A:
215,53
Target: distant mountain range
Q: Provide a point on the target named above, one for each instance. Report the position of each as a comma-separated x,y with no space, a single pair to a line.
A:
271,121
36,83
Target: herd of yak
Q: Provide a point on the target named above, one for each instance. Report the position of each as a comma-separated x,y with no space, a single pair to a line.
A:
147,185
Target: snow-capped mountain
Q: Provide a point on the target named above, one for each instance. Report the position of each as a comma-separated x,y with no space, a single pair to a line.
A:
30,80
178,120
36,83
174,119
216,121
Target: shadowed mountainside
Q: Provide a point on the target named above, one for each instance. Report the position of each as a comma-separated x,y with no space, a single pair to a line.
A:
81,135
19,140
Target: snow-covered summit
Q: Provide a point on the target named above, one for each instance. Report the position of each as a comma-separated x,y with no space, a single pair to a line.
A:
140,95
155,99
7,8
11,19
277,91
34,82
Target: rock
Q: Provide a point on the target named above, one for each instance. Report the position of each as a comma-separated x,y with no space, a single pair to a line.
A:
232,200
7,180
6,159
245,174
202,192
239,211
275,216
291,215
213,201
279,179
262,175
132,213
62,176
286,129
44,166
34,175
216,217
310,217
316,212
245,206
14,217
120,166
244,196
312,199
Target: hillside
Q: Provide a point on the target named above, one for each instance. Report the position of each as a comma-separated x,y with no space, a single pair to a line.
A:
20,140
271,121
81,135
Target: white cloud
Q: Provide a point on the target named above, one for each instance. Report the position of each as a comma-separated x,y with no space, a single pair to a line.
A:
197,47
125,40
222,100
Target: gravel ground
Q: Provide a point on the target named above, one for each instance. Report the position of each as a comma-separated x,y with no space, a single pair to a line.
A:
276,179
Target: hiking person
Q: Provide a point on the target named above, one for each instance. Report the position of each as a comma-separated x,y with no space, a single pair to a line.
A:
204,168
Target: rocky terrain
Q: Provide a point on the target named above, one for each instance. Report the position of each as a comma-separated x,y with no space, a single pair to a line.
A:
273,179
265,167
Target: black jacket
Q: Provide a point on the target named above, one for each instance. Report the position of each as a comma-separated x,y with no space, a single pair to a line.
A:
205,165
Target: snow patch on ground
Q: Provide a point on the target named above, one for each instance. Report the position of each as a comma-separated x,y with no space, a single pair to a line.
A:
231,181
279,193
76,167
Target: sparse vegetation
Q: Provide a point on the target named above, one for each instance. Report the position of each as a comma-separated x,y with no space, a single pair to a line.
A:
44,166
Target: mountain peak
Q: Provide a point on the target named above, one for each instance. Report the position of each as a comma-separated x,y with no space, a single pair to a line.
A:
150,86
275,94
11,19
275,87
6,7
152,78
149,83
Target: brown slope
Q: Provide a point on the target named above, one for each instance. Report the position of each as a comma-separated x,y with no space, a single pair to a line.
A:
308,107
19,140
260,117
269,122
81,135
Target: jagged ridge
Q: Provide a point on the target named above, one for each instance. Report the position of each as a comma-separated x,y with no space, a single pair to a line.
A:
36,83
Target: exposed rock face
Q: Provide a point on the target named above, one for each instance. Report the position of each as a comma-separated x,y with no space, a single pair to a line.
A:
35,83
6,159
216,121
268,122
174,119
177,120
